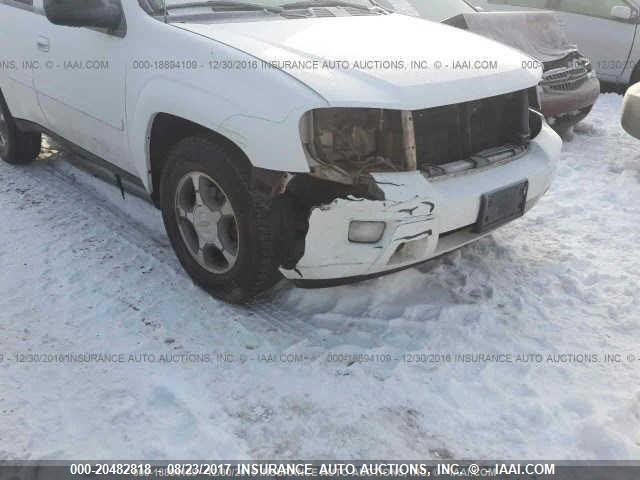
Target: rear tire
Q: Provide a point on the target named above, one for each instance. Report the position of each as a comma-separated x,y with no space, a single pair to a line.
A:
222,231
16,147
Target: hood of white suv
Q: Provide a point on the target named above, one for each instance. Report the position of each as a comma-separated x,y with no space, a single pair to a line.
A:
376,57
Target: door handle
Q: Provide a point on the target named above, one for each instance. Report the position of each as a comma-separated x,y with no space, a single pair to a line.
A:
43,44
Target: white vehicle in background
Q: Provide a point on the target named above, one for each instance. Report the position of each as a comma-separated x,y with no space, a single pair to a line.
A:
606,31
280,138
631,111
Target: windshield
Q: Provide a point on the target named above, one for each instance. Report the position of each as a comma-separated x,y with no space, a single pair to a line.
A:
436,10
270,4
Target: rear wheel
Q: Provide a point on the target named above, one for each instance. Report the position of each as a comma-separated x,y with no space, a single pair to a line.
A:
223,232
16,147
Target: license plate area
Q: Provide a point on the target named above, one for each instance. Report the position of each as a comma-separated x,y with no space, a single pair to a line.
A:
501,206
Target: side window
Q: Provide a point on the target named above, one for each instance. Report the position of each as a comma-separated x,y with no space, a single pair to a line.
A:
601,8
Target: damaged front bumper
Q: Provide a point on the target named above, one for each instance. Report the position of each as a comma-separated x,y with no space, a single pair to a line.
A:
567,99
424,218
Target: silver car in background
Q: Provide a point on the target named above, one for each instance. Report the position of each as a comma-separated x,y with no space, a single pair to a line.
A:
606,31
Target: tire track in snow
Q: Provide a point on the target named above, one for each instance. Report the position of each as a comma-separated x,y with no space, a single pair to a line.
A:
264,308
278,324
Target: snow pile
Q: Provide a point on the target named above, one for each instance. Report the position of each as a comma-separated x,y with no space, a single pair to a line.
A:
83,271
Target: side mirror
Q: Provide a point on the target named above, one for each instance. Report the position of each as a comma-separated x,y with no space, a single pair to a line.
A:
622,12
82,13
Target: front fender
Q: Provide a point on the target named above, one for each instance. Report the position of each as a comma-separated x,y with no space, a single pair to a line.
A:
271,143
191,104
268,144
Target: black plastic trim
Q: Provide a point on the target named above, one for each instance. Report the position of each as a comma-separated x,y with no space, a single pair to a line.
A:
336,282
91,162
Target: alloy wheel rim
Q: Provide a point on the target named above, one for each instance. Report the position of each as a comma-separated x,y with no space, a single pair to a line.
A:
207,222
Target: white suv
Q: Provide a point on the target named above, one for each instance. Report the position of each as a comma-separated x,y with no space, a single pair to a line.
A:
325,141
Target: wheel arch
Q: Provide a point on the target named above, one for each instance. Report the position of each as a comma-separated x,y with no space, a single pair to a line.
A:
265,134
165,131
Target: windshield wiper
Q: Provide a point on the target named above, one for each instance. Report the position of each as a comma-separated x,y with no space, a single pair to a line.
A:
377,4
324,3
231,4
154,7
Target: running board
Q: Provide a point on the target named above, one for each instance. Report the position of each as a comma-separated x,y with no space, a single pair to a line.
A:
92,164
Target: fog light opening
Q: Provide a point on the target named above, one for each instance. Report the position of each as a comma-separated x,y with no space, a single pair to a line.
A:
366,232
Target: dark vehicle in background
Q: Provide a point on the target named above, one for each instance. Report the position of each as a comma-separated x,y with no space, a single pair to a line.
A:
569,86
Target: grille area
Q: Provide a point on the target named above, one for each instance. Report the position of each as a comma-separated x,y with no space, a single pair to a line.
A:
460,131
566,80
567,74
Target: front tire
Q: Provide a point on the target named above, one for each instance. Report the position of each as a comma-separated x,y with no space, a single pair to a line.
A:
222,231
16,147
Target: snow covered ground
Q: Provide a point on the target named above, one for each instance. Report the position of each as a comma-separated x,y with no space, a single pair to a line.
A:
81,271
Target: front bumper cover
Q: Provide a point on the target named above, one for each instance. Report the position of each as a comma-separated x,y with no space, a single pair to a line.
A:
558,102
425,218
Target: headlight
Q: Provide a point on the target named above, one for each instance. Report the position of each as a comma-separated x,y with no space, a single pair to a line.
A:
357,141
583,62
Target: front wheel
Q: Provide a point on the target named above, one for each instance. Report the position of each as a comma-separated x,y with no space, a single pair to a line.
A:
16,147
223,233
